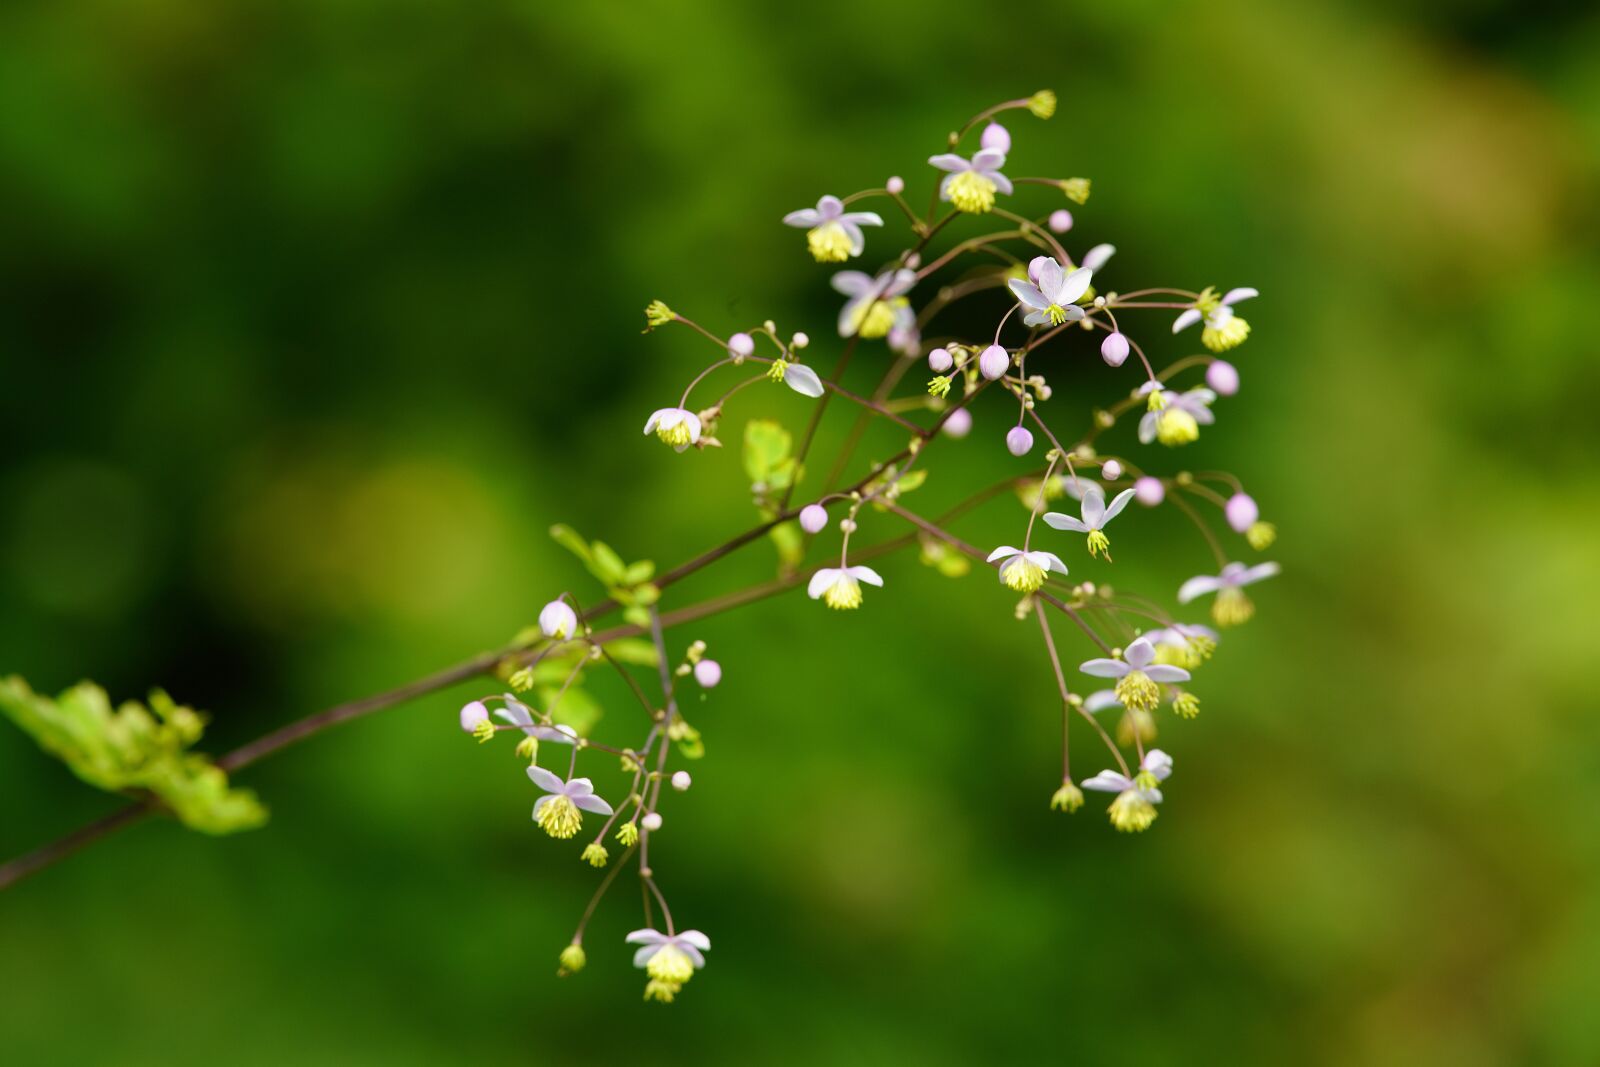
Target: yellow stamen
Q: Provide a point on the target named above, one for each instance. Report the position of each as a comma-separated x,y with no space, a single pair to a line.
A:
1077,190
971,192
573,959
1140,725
1232,607
844,594
1068,798
1099,544
661,991
560,818
1261,535
1187,705
778,369
595,855
1229,334
1137,692
1157,400
1022,574
828,243
1177,427
670,965
676,435
1131,812
878,318
628,834
1042,103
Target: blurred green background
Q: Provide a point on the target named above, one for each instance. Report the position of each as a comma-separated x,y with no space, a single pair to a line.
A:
316,315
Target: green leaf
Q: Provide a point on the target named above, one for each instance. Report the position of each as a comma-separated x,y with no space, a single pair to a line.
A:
642,571
576,708
766,450
134,748
635,651
790,543
568,538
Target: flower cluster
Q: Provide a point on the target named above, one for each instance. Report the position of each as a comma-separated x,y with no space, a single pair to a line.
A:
1048,308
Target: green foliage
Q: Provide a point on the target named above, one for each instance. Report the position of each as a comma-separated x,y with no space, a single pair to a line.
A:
134,748
773,469
627,583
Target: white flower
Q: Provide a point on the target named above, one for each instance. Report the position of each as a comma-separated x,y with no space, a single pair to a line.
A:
1134,808
1232,606
796,376
840,587
1175,418
678,427
669,959
558,620
971,184
557,813
1137,674
1095,515
876,305
1096,257
517,714
833,234
1223,329
1025,572
1050,292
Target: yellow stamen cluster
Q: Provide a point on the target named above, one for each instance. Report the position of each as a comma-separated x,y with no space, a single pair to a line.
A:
670,965
484,731
660,991
1232,607
1042,103
595,855
779,368
1261,535
1077,190
1131,812
658,314
1056,313
1137,692
1022,574
628,834
939,386
1099,544
1068,798
676,435
1176,427
521,680
573,960
828,243
844,594
528,749
1229,334
971,192
1187,705
878,319
559,818
1157,400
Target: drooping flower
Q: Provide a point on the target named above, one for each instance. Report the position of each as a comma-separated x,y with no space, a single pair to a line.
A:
876,305
1025,572
557,814
1096,513
573,960
1232,606
1183,644
971,184
1137,674
1042,103
833,234
840,587
1134,808
678,427
1069,798
1223,329
1133,726
1175,418
517,713
994,362
669,959
558,620
1050,292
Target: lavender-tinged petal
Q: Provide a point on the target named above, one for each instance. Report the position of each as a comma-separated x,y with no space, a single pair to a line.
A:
592,803
1057,520
1148,424
851,282
1048,560
697,939
988,159
1073,312
546,780
690,951
1139,654
1101,699
830,207
1001,553
1163,672
806,218
1198,587
858,240
1108,782
579,787
1233,296
951,162
1096,257
899,283
1116,506
1157,763
646,936
803,380
1075,285
852,313
538,805
1036,318
861,218
1028,294
643,956
1046,273
1257,573
865,574
1104,668
1002,184
1186,320
1094,508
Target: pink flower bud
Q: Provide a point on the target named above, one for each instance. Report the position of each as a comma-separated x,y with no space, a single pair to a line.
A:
996,136
651,822
1149,491
813,517
708,672
1061,220
1110,470
959,424
1114,349
1241,511
994,362
940,360
681,780
472,715
1223,377
895,185
741,344
1019,441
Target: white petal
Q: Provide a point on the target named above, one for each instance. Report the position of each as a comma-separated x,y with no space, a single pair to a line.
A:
1120,502
697,939
821,580
851,282
1096,257
1075,285
803,380
1001,552
642,957
1198,587
1157,763
1108,782
865,574
1104,668
1149,422
989,159
1045,272
1028,294
951,162
546,780
1163,672
1257,573
1048,560
1094,507
830,207
1101,699
1139,654
806,217
1233,296
1002,184
862,218
646,937
590,802
1065,522
1186,320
